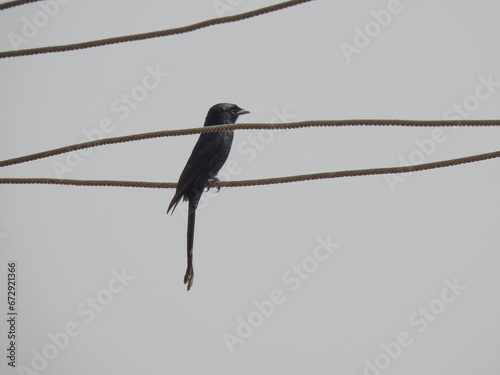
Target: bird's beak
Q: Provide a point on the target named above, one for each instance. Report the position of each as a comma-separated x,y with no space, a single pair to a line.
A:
242,112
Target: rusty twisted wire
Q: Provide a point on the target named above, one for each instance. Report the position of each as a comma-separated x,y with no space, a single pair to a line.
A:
264,181
12,4
249,126
153,34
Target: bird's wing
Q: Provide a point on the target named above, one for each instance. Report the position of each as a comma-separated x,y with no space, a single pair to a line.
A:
203,155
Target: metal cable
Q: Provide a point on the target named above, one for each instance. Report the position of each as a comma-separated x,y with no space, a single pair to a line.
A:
264,181
12,4
153,34
249,126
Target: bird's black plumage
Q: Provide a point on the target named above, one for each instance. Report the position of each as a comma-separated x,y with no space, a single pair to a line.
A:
207,158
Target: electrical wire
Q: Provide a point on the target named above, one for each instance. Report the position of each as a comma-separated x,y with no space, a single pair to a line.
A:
153,34
12,4
264,181
249,126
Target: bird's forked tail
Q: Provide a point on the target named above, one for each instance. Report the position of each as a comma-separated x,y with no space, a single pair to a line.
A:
189,276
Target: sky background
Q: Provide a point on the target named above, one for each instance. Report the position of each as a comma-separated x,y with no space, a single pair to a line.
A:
396,245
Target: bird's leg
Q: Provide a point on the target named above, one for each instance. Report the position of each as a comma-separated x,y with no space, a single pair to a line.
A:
211,183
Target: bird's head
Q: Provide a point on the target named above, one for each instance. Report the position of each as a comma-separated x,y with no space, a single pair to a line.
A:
223,114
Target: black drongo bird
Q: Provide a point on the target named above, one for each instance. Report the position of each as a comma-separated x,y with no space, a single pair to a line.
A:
208,157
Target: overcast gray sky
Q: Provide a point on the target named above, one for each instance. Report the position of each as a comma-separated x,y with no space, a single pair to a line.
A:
365,275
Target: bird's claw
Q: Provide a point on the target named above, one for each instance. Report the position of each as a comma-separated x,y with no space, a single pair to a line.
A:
211,184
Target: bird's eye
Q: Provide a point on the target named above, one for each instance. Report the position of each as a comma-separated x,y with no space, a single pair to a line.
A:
233,111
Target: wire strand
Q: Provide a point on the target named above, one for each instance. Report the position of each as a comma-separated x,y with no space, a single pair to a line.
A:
263,181
12,4
248,126
153,34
